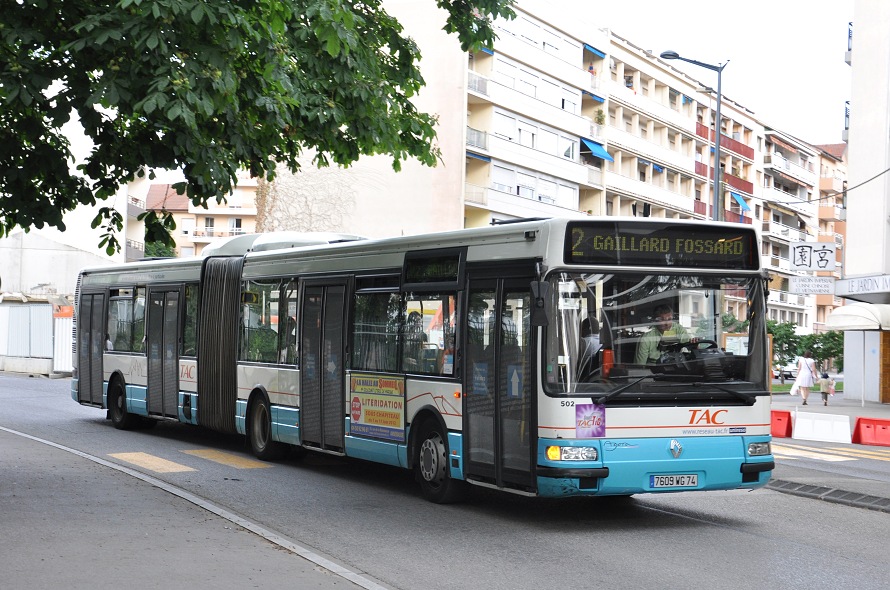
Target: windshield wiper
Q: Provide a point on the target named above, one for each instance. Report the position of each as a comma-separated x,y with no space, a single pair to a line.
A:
615,393
748,399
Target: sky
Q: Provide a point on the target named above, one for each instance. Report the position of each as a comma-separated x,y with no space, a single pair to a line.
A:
786,57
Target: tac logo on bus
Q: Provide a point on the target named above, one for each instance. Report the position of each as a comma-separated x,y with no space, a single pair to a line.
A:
700,417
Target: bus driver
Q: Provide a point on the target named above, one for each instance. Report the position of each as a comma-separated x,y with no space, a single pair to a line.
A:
665,327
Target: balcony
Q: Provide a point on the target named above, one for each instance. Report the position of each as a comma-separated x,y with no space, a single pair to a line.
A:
797,172
502,200
597,132
832,213
477,83
726,142
787,200
783,232
650,193
594,176
477,138
135,207
780,264
628,142
786,298
831,184
203,235
733,217
838,239
647,106
134,251
735,182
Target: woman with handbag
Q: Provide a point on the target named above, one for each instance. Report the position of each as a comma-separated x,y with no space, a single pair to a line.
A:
806,375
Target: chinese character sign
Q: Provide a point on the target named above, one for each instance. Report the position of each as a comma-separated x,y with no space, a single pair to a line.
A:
813,255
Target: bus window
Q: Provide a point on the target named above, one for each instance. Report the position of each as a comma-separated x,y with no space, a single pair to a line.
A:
428,333
139,321
259,321
189,335
120,321
287,345
375,333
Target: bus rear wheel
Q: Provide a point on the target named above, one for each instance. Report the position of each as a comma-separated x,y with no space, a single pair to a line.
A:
431,466
117,408
259,432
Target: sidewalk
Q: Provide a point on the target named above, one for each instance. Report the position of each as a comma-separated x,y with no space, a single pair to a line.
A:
865,490
69,522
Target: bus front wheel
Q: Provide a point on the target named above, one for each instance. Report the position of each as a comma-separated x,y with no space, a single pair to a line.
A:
259,433
431,466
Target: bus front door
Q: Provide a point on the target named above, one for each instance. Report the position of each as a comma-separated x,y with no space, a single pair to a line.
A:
162,348
498,405
321,367
90,347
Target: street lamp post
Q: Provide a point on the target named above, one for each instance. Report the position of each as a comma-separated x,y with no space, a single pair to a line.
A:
717,214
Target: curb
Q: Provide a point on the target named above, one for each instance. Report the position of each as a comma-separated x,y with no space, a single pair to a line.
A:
833,495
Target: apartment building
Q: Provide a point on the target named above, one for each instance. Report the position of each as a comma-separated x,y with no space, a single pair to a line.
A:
866,282
832,223
197,227
789,216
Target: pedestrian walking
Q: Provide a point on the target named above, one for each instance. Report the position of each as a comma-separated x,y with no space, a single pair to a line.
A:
826,386
806,375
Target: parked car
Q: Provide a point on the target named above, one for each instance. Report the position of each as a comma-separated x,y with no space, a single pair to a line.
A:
789,370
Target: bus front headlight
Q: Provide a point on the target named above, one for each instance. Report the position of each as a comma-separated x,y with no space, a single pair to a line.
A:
759,449
555,453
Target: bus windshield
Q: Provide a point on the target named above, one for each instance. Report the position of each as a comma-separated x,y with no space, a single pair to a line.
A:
645,336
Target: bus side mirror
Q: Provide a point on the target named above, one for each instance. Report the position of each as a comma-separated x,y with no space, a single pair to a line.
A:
540,295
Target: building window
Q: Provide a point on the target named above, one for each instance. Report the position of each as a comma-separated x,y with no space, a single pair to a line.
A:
567,148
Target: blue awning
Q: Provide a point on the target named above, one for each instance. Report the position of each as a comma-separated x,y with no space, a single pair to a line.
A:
596,149
594,96
658,168
740,201
486,50
478,156
593,49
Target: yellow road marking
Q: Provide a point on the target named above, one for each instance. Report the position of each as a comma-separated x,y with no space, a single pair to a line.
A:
863,454
228,459
799,453
151,462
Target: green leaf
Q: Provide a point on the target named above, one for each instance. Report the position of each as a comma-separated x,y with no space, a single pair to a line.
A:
174,111
263,82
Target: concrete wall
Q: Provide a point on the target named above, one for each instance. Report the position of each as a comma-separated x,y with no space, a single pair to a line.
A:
862,352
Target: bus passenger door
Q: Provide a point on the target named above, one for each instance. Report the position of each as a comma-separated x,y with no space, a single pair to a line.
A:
322,353
498,403
162,349
90,347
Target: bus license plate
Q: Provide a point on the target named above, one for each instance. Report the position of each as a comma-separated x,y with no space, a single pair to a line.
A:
673,481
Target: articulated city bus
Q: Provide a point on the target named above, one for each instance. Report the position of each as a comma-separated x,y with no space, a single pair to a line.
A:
543,357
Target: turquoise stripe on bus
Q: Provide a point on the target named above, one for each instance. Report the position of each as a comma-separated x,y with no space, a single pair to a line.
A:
192,417
286,424
455,458
715,460
241,416
136,400
378,451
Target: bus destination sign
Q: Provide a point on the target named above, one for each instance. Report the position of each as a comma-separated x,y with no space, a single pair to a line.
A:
631,244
